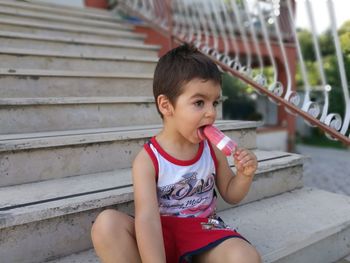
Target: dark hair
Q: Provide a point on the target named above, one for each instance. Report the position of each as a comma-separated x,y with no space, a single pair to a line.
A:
179,66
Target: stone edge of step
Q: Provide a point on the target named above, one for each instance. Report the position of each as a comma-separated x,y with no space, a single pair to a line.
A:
42,53
27,101
15,142
75,100
11,195
72,10
274,256
75,28
295,212
27,14
80,257
64,7
61,73
71,40
107,196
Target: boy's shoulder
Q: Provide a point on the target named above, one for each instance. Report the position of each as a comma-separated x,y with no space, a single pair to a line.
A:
143,158
143,166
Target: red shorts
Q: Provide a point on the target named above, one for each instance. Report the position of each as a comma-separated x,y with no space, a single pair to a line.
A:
185,237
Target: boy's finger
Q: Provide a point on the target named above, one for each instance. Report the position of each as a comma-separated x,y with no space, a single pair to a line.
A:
245,159
249,163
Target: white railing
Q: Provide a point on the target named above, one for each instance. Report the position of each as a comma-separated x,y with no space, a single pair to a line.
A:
233,33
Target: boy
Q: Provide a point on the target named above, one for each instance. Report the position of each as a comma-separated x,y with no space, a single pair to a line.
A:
174,177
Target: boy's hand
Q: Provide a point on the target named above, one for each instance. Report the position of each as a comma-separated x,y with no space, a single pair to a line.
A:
246,162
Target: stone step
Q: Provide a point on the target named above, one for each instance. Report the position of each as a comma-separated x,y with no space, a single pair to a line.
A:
75,46
59,60
57,6
55,19
75,201
18,25
29,115
48,155
17,83
306,225
270,163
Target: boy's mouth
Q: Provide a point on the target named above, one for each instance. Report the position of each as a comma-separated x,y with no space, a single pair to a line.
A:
200,133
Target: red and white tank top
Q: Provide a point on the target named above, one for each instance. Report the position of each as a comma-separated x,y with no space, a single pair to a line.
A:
184,188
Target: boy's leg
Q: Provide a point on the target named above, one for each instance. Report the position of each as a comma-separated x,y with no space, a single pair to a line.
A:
233,250
113,237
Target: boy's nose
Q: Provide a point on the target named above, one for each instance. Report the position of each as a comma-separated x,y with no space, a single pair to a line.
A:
211,112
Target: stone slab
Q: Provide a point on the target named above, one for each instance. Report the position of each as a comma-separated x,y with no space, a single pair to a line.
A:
35,59
27,115
77,40
75,48
63,114
29,15
306,225
72,11
14,25
288,227
21,204
58,217
59,25
19,83
51,155
42,241
13,142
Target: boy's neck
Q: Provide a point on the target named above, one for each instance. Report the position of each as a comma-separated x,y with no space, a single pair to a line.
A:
176,145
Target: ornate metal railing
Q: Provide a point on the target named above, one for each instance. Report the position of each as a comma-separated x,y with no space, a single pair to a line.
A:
241,38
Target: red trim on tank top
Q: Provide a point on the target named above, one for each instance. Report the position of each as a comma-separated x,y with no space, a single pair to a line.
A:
173,159
153,158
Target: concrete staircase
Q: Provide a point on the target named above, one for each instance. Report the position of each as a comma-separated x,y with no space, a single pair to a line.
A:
76,106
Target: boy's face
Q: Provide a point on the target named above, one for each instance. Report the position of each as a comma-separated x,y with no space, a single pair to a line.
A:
196,107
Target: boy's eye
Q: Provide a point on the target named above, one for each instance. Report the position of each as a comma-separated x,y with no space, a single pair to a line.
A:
199,103
216,103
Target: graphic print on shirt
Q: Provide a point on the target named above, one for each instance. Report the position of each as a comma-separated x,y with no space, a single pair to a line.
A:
193,195
185,188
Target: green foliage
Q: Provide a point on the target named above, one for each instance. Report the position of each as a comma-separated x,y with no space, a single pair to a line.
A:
307,48
238,105
313,75
326,43
330,63
319,139
345,28
336,99
345,42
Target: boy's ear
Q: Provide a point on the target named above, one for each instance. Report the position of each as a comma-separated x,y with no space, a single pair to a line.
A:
164,105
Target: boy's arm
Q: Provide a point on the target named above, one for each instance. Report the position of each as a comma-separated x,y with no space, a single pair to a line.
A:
147,219
233,188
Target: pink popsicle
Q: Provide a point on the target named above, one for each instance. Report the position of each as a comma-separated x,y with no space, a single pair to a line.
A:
219,139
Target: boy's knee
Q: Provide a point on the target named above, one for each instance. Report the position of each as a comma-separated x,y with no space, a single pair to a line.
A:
108,222
245,255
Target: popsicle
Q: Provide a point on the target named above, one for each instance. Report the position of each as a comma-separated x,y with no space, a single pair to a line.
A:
218,138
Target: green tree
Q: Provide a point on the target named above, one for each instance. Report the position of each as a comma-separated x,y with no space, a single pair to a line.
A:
238,105
330,63
344,36
307,48
326,43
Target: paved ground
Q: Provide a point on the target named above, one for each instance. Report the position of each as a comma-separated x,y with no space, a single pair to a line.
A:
328,169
